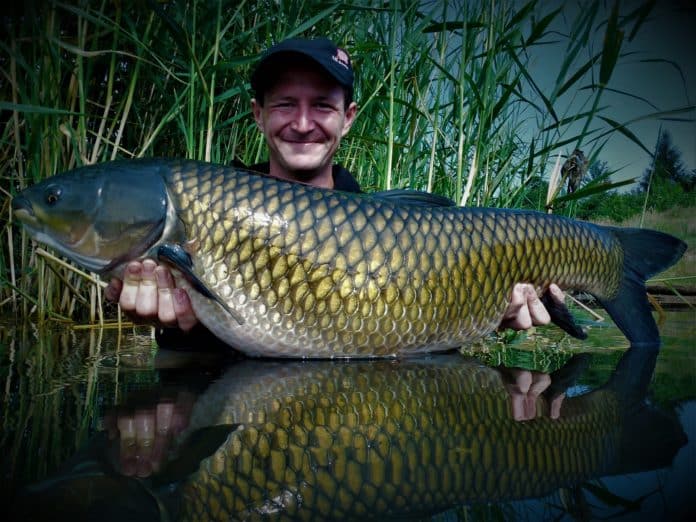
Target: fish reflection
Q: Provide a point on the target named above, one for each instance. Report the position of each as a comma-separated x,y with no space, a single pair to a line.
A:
335,441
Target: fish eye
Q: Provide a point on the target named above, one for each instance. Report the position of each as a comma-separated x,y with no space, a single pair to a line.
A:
52,195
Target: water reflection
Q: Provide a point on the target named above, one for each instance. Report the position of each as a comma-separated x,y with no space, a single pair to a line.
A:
334,441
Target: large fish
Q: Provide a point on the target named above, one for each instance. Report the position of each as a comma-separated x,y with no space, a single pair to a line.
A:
286,270
326,440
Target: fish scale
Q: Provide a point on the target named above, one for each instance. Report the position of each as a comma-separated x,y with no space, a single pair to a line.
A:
350,441
324,274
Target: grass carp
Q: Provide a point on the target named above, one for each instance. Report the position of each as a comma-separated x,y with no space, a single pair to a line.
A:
328,440
286,270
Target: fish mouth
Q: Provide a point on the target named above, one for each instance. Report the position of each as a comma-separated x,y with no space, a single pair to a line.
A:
23,210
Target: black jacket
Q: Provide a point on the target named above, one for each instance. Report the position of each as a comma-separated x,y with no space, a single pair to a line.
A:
343,178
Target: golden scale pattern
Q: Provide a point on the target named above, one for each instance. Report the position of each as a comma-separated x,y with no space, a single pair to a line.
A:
317,273
349,441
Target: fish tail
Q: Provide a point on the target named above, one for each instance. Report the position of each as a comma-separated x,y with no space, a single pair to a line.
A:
646,253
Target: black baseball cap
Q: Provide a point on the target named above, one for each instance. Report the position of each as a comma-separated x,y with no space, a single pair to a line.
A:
323,51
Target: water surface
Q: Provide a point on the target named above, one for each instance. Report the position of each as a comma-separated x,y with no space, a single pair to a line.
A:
431,438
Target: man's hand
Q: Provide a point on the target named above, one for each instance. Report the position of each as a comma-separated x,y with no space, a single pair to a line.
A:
147,292
526,309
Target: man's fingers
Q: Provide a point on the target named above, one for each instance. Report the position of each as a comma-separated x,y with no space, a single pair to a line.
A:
163,417
145,427
555,408
183,310
145,437
166,312
148,292
557,294
522,379
540,381
517,401
525,387
517,314
526,309
521,320
530,404
174,303
517,385
517,301
537,311
147,298
129,288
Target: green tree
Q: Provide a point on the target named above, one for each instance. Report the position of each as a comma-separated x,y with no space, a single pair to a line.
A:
598,169
667,183
667,166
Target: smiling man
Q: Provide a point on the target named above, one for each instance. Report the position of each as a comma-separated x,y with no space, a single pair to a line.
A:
304,112
303,104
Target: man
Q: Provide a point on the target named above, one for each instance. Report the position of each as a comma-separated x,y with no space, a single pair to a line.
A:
303,104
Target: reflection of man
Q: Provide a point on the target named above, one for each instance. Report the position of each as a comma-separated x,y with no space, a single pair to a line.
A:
525,387
303,104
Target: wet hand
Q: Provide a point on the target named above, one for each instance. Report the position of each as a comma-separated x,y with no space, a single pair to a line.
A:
525,387
147,292
526,309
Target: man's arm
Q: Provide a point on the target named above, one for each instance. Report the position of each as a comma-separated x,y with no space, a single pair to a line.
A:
147,292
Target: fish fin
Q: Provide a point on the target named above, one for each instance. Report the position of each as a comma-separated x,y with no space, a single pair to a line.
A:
561,316
418,198
646,253
199,445
567,375
175,255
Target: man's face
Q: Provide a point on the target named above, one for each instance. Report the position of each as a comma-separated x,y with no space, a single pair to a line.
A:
303,118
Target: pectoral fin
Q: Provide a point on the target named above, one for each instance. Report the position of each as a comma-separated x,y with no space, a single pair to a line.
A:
561,316
199,445
176,256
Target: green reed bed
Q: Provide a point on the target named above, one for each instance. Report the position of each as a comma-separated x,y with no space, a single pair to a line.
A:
447,100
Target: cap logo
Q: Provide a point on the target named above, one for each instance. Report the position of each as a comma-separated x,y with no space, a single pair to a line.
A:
341,57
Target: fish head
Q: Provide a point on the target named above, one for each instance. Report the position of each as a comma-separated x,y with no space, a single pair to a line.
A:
99,217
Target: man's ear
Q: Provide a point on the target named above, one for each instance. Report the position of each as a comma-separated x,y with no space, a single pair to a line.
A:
256,111
351,111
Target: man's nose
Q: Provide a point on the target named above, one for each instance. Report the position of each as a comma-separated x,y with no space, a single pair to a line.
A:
303,121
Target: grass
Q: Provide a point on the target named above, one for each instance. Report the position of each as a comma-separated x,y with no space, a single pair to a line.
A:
447,101
679,222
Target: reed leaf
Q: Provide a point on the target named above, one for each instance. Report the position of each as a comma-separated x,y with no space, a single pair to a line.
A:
612,46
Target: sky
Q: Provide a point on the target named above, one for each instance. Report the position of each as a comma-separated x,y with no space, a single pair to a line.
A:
669,34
